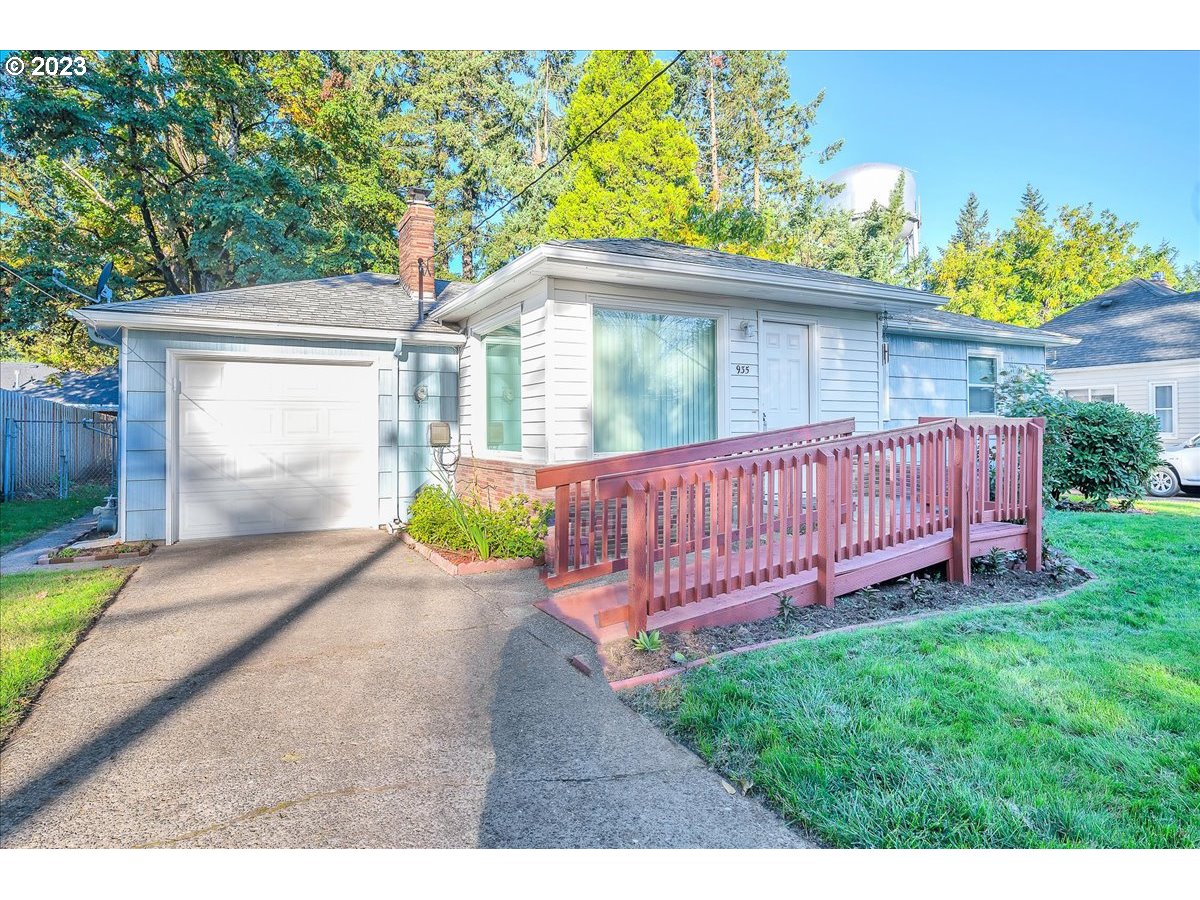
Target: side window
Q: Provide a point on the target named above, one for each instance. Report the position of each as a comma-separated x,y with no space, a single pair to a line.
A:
1162,397
981,385
502,366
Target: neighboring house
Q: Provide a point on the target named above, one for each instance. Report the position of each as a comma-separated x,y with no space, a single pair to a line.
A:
97,392
15,374
308,405
1139,344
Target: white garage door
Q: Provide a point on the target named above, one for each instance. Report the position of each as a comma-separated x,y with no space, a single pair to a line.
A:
266,447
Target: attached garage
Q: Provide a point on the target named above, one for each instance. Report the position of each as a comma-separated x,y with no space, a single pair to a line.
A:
265,446
288,407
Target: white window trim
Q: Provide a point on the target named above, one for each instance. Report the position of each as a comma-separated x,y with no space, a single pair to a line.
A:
1091,391
1174,386
480,449
719,314
984,354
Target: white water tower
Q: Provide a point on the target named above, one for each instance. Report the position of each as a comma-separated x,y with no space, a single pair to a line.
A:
869,183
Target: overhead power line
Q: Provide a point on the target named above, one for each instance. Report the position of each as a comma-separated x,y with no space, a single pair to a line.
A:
474,229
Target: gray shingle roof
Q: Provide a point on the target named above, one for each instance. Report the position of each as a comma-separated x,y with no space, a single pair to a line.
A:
986,329
100,390
365,300
1137,321
655,249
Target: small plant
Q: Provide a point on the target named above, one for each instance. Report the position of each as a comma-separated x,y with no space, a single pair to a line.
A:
677,657
994,562
786,610
919,589
1056,564
648,642
871,594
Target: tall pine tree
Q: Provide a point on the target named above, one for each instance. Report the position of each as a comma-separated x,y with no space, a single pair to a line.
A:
636,177
971,225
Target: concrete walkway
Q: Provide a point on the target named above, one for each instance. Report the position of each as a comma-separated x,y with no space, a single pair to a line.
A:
334,690
25,557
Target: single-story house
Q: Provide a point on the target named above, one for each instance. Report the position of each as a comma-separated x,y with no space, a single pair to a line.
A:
1138,344
314,404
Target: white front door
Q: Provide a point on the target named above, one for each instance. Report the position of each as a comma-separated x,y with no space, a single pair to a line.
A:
266,446
783,377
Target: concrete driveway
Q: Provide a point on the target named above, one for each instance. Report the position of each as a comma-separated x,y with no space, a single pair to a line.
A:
336,690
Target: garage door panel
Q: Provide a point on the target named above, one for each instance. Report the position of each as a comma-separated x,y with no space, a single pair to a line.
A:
266,447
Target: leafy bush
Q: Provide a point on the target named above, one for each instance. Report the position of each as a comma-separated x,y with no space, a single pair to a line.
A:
1102,450
516,527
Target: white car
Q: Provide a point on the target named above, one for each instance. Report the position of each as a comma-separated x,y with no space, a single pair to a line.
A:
1181,468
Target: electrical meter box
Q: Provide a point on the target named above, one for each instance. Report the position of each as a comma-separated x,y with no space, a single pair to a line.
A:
439,434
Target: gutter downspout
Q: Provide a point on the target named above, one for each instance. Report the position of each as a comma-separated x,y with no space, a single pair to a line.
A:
401,354
115,337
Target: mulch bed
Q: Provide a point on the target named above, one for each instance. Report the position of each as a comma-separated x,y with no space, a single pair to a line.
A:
454,562
893,600
73,554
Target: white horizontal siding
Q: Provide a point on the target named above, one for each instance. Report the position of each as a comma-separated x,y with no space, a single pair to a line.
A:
1132,384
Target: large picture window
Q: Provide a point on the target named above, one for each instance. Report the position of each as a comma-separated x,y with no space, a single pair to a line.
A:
654,380
981,385
502,366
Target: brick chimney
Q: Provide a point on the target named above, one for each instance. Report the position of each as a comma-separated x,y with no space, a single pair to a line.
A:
416,244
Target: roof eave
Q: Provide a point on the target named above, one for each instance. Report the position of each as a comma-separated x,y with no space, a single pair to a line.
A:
94,317
1033,339
539,259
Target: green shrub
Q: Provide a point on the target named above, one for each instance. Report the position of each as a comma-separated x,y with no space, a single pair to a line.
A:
516,527
1102,450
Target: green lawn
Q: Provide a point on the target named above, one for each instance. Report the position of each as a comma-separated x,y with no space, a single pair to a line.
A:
22,520
41,617
1071,723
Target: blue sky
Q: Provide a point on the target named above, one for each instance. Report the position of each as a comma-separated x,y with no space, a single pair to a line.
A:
1119,129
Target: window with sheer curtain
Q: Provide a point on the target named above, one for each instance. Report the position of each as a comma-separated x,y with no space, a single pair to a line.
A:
654,380
502,377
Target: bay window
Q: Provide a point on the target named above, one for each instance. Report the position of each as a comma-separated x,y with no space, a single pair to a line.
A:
502,383
654,380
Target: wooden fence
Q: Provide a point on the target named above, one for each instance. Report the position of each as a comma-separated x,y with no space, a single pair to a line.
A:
46,447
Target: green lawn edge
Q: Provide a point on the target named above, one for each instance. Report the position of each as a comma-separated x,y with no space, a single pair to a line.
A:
21,521
1074,722
43,616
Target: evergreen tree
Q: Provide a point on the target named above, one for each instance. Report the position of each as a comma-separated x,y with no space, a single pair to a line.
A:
523,225
753,138
464,121
1039,267
971,225
636,177
1187,278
